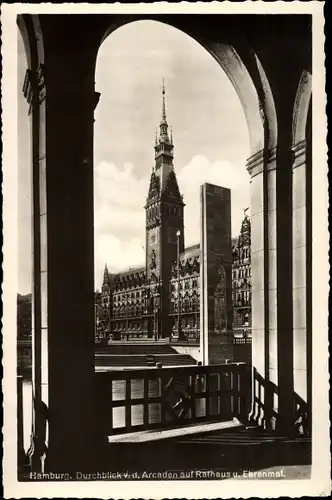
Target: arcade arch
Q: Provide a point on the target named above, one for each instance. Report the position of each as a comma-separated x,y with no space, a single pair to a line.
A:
61,71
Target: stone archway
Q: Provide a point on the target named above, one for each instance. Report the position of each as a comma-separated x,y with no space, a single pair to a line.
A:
65,154
250,81
251,84
301,108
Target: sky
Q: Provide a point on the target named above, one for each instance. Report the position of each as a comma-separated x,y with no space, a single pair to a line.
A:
210,136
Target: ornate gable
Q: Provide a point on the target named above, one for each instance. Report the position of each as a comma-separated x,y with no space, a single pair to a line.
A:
245,233
154,188
172,187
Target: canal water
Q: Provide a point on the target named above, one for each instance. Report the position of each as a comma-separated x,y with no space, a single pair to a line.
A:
119,394
27,412
118,413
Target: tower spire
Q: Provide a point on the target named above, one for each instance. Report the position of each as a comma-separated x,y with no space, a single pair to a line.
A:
163,123
163,111
163,147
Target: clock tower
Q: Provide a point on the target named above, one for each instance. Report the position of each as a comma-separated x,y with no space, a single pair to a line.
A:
164,218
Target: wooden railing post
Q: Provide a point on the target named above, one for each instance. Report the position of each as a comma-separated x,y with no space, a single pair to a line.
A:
245,392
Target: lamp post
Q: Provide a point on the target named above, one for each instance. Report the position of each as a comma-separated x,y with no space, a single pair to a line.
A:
127,320
178,233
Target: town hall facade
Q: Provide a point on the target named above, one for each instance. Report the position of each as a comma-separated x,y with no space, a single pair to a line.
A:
162,298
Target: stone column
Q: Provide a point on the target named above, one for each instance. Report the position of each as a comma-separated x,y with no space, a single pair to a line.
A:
70,263
285,376
34,91
259,344
270,238
262,169
301,347
63,106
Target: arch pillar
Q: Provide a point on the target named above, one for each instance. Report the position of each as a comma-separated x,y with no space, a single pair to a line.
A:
302,250
262,169
301,189
70,263
271,307
299,267
285,374
281,296
34,92
62,107
255,168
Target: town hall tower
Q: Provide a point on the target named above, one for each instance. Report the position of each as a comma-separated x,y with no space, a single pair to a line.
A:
164,224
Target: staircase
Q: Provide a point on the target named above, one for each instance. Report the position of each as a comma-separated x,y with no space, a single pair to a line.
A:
135,348
229,451
249,448
126,355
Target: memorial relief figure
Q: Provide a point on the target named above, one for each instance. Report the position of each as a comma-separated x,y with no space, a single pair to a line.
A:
153,263
220,301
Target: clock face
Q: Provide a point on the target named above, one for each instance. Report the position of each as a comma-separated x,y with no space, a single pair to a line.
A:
153,238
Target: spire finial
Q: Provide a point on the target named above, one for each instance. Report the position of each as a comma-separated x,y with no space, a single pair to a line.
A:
106,275
163,115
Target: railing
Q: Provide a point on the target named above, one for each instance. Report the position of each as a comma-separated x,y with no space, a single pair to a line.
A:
191,336
160,398
265,399
242,340
129,334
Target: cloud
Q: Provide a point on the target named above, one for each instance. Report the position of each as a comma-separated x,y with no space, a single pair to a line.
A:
222,173
120,217
119,185
208,124
118,254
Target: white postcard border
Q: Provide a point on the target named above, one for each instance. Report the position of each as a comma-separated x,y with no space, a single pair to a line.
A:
319,484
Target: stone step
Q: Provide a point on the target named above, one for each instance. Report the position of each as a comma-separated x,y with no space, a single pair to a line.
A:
135,348
172,359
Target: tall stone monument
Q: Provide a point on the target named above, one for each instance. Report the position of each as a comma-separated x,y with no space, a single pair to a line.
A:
216,275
